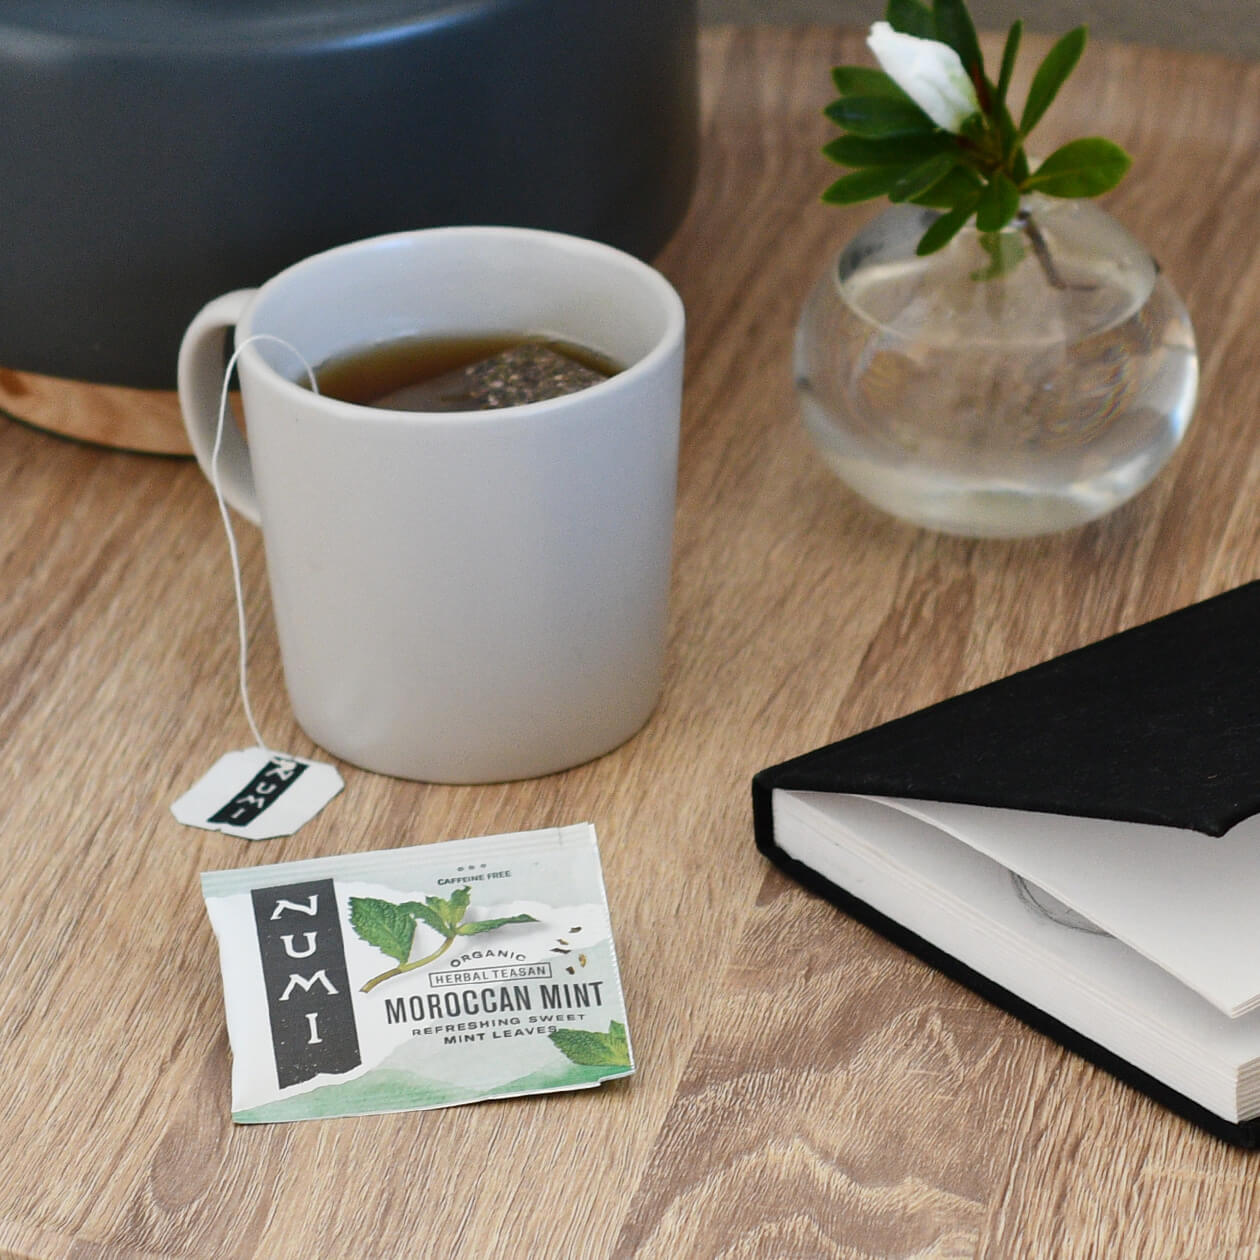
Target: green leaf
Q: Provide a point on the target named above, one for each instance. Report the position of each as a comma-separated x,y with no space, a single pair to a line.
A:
890,151
1019,167
918,180
865,81
457,907
955,28
910,17
1009,53
1081,168
1008,138
878,116
595,1049
388,927
477,926
960,185
944,229
975,128
875,181
1005,251
1059,63
427,914
998,204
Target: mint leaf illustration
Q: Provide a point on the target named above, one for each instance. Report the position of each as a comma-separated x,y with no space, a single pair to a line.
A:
594,1049
428,913
457,905
381,923
488,925
391,928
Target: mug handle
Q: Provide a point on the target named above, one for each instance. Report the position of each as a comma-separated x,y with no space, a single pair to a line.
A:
200,379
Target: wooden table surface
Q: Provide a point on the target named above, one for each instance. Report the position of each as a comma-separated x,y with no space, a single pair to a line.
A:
804,1089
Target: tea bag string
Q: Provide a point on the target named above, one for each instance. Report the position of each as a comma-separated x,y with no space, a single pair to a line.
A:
227,520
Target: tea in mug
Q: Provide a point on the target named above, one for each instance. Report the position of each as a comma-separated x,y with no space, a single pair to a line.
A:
474,373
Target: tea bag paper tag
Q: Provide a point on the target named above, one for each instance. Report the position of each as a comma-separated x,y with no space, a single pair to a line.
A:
258,794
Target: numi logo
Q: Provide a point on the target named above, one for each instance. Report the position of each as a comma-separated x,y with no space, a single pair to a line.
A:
308,988
274,779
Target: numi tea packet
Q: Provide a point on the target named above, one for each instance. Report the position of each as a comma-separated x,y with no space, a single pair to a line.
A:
422,977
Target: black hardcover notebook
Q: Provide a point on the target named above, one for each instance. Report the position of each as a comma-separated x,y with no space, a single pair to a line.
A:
1079,843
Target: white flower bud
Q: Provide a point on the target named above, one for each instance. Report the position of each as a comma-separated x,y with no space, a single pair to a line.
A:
930,73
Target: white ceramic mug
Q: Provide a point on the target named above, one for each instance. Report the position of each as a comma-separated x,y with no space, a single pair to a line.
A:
471,596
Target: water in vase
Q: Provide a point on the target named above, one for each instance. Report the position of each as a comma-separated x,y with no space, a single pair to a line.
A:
1006,404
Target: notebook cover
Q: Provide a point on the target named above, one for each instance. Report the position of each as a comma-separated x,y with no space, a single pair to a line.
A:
1158,724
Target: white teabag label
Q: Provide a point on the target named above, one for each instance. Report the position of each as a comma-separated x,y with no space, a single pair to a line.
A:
421,977
258,794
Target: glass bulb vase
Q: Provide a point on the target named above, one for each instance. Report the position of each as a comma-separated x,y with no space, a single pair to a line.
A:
1013,383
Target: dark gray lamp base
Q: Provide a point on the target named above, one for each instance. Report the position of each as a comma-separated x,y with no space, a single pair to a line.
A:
162,153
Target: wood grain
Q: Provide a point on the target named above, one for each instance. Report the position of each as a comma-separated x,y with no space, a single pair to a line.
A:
804,1088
